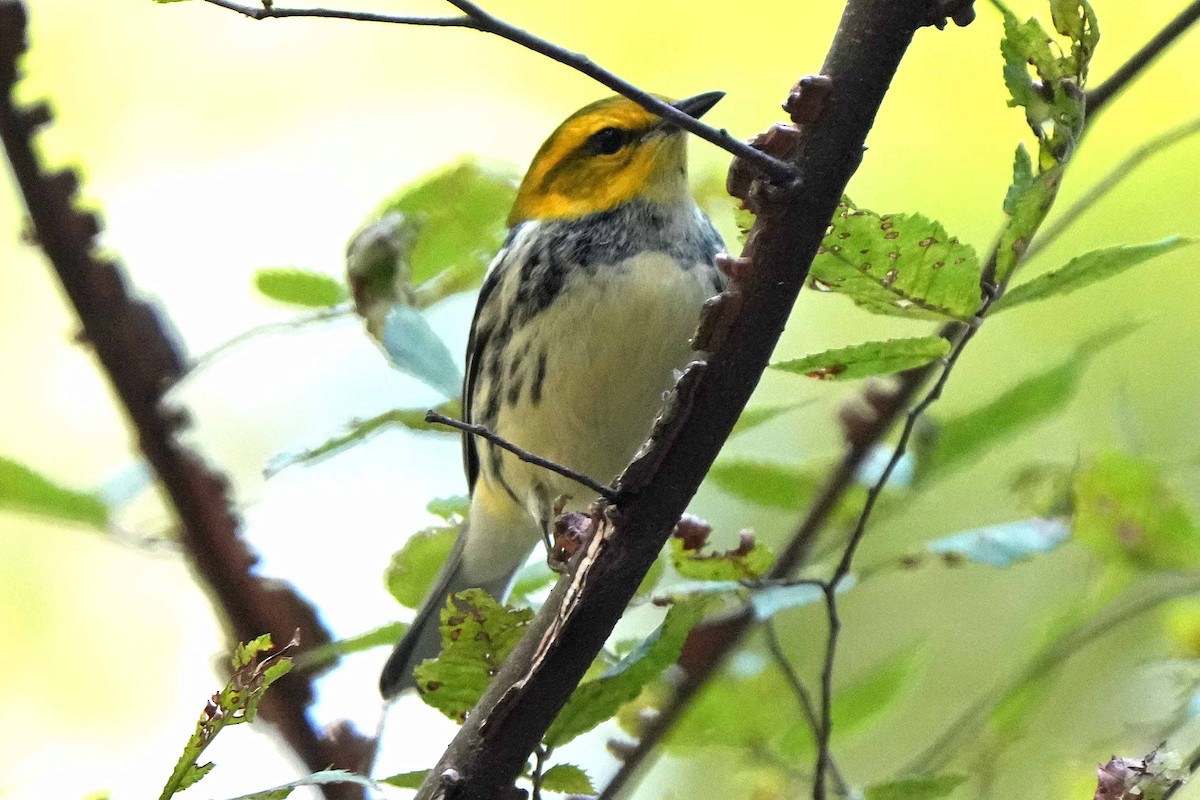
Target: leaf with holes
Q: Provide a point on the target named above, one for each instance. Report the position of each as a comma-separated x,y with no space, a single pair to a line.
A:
748,561
1087,269
867,359
898,264
477,635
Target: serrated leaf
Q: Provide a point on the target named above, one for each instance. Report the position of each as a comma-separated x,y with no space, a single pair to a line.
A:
969,435
927,788
407,780
1022,179
1048,82
411,573
477,635
751,418
764,483
1087,269
1004,545
29,492
413,348
462,211
596,701
748,561
361,430
869,358
898,264
324,656
1127,514
235,703
298,287
567,779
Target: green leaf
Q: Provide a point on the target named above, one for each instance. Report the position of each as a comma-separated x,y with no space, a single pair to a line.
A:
1004,545
407,780
1034,399
412,571
1087,269
1127,514
927,788
765,484
869,358
531,579
751,418
237,702
298,287
462,211
26,491
596,701
477,635
361,430
1048,82
567,779
326,655
898,264
867,698
748,561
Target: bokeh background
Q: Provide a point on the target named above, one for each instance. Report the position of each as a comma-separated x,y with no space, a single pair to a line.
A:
215,145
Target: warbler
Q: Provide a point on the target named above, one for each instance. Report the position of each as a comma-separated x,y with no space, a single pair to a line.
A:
584,316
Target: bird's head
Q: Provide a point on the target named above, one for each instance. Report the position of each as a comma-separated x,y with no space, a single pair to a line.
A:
605,154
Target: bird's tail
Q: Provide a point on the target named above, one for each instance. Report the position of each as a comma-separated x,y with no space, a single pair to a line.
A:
423,639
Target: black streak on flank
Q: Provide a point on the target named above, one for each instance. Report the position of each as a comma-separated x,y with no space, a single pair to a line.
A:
535,391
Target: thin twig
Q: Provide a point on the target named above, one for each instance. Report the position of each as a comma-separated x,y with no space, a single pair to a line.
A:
480,20
1102,95
1110,181
803,697
607,492
273,12
206,359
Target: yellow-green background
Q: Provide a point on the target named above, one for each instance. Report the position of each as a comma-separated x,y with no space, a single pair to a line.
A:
216,145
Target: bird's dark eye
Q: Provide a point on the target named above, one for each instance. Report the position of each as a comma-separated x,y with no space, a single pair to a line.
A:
607,141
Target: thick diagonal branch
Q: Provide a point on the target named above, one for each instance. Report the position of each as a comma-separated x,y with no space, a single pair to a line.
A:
141,360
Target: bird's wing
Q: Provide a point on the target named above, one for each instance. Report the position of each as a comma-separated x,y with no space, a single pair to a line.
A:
476,345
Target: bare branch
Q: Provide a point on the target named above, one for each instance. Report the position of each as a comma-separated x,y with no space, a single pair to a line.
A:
477,19
272,12
141,360
607,492
804,698
1099,98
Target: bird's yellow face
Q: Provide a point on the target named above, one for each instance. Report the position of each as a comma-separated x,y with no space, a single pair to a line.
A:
605,154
